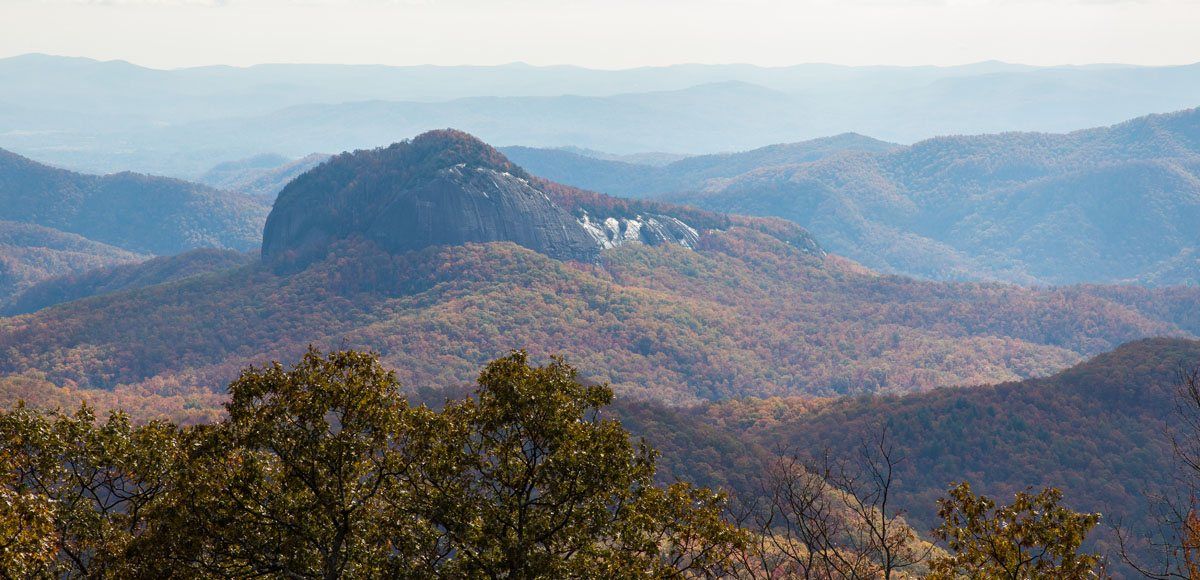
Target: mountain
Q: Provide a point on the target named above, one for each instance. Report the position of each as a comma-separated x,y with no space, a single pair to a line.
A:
1099,431
441,188
748,307
659,120
30,253
261,176
654,158
626,178
104,280
1109,205
106,116
138,213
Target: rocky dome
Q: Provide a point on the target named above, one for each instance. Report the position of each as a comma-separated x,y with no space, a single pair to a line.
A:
442,188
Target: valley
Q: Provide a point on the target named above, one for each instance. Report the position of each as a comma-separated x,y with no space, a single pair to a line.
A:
745,307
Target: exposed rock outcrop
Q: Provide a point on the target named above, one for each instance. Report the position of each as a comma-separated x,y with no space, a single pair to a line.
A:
443,188
650,229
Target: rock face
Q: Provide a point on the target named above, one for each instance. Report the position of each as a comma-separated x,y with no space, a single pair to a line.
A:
651,229
448,188
441,188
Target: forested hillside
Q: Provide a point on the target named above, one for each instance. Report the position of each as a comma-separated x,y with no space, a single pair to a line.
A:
715,331
104,280
324,466
1114,204
30,253
1088,424
1100,431
669,303
745,315
138,213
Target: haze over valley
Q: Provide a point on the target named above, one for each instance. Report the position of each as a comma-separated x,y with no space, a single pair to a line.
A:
112,116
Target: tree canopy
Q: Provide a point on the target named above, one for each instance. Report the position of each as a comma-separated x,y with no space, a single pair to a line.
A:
324,470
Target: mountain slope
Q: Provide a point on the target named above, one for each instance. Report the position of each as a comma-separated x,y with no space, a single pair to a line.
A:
737,307
104,280
745,315
139,213
1096,430
30,254
625,178
1115,204
262,176
442,188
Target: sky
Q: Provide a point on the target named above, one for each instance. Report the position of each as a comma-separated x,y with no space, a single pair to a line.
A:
606,33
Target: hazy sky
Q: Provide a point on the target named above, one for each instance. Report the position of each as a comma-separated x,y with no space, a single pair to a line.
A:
605,33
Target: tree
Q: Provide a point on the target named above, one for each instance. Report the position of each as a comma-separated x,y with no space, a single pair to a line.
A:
535,483
77,493
325,471
292,482
1034,537
1170,550
27,538
827,518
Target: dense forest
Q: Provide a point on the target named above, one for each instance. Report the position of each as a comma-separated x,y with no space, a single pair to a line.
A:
104,280
1104,432
747,307
325,470
30,254
745,315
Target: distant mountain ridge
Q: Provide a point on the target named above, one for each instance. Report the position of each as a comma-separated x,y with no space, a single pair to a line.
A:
439,253
181,122
1100,431
261,176
443,188
31,253
139,213
652,158
55,222
693,172
1104,205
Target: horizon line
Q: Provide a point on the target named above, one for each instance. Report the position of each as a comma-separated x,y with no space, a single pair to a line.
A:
521,63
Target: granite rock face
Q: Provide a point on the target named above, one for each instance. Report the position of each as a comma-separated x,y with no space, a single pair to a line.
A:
479,204
441,188
651,229
446,188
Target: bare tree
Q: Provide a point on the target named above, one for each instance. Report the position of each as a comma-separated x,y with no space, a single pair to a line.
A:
1171,550
832,518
